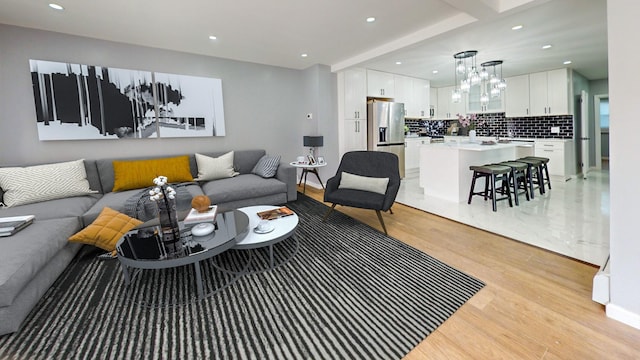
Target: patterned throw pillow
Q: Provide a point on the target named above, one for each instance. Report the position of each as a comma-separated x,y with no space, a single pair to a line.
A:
106,230
210,168
26,185
267,166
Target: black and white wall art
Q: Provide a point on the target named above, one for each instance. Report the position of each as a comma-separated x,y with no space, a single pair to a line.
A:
80,102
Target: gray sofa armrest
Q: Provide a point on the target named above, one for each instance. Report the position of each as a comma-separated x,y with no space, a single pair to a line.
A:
287,174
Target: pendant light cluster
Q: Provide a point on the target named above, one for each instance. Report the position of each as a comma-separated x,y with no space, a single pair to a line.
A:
491,85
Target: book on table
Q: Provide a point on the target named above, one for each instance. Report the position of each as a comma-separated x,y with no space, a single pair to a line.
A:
275,213
12,224
195,217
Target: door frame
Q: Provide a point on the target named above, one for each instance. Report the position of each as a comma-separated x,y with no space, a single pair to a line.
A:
596,126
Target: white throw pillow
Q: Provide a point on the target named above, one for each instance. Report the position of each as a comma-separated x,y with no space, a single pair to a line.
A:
365,183
26,185
210,168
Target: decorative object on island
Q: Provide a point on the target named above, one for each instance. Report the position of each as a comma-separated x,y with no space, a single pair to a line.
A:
491,84
165,198
470,122
312,142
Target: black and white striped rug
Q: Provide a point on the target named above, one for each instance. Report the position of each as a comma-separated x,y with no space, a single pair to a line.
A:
342,291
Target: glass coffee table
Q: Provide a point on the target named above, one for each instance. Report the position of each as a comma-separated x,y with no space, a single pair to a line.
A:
139,250
283,228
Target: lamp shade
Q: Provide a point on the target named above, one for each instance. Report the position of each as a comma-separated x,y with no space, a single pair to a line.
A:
312,141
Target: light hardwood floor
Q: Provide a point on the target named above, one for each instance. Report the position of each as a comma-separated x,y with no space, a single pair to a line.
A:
536,304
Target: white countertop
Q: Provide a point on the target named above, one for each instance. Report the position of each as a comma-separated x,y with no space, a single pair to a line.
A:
477,146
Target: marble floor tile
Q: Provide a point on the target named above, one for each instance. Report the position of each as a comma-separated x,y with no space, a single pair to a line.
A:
571,219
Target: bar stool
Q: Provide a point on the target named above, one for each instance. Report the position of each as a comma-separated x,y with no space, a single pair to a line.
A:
517,178
534,174
491,174
544,169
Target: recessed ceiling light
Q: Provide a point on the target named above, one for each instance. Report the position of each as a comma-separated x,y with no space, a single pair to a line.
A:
434,72
304,55
517,27
398,62
567,62
56,6
371,19
213,37
546,46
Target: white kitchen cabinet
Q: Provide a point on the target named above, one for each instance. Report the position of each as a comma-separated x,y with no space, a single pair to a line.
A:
380,84
421,98
355,134
448,109
412,152
560,155
549,93
475,106
517,96
433,103
403,89
355,94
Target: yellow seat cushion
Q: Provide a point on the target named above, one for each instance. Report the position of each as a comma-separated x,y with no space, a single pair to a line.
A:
106,230
137,174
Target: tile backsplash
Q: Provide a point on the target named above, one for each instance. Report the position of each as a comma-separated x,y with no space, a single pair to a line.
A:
496,124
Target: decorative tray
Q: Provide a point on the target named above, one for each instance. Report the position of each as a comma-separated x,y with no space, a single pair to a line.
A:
490,142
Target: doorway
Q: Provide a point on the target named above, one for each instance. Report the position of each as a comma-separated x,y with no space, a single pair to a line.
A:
601,127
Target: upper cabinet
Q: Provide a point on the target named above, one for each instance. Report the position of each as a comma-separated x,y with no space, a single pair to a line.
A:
414,93
475,105
380,84
355,94
517,96
549,93
539,94
446,108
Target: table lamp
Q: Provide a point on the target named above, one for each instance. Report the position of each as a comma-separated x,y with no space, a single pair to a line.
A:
312,142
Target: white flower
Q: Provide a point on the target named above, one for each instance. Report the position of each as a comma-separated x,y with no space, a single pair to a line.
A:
160,180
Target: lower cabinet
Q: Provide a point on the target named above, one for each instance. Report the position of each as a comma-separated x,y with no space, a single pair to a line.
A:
560,154
412,152
355,134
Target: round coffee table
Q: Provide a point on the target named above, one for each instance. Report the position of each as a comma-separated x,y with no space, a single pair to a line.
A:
284,228
136,253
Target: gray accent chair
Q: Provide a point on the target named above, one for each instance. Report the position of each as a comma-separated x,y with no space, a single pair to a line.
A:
375,164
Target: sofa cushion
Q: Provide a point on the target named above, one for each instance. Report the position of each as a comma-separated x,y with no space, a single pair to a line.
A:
117,200
137,174
54,209
212,168
243,160
25,253
106,230
26,185
241,187
267,166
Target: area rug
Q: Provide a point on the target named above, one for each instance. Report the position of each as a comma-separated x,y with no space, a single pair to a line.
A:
340,290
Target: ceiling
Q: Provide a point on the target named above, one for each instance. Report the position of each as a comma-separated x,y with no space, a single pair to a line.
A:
422,34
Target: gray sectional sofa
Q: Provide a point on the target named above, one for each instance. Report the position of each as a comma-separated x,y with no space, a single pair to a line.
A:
32,259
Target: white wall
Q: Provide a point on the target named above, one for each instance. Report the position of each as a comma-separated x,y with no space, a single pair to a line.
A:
624,75
264,105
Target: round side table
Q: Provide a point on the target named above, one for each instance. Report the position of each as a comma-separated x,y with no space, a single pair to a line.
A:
306,169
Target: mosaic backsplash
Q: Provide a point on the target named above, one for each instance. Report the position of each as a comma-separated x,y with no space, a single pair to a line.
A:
496,124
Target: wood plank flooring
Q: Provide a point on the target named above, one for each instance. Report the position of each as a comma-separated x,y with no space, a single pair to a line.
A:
536,304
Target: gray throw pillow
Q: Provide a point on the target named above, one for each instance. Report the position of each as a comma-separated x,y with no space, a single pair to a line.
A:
267,166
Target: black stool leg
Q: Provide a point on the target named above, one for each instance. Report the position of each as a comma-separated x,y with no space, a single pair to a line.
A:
493,192
473,185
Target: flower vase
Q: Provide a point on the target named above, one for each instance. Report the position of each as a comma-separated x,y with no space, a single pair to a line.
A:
472,136
169,227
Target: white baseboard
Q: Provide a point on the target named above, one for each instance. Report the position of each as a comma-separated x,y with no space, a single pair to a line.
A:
624,316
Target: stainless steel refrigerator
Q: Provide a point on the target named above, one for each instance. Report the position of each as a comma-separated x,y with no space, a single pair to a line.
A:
385,124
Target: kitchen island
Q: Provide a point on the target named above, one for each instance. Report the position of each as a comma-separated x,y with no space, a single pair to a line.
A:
444,168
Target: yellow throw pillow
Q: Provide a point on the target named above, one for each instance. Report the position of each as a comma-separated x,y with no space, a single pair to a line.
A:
137,174
106,230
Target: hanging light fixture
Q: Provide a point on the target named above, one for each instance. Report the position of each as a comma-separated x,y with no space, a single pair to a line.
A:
496,83
461,67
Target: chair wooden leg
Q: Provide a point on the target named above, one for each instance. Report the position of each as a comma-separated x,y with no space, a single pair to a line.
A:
390,211
382,222
328,212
